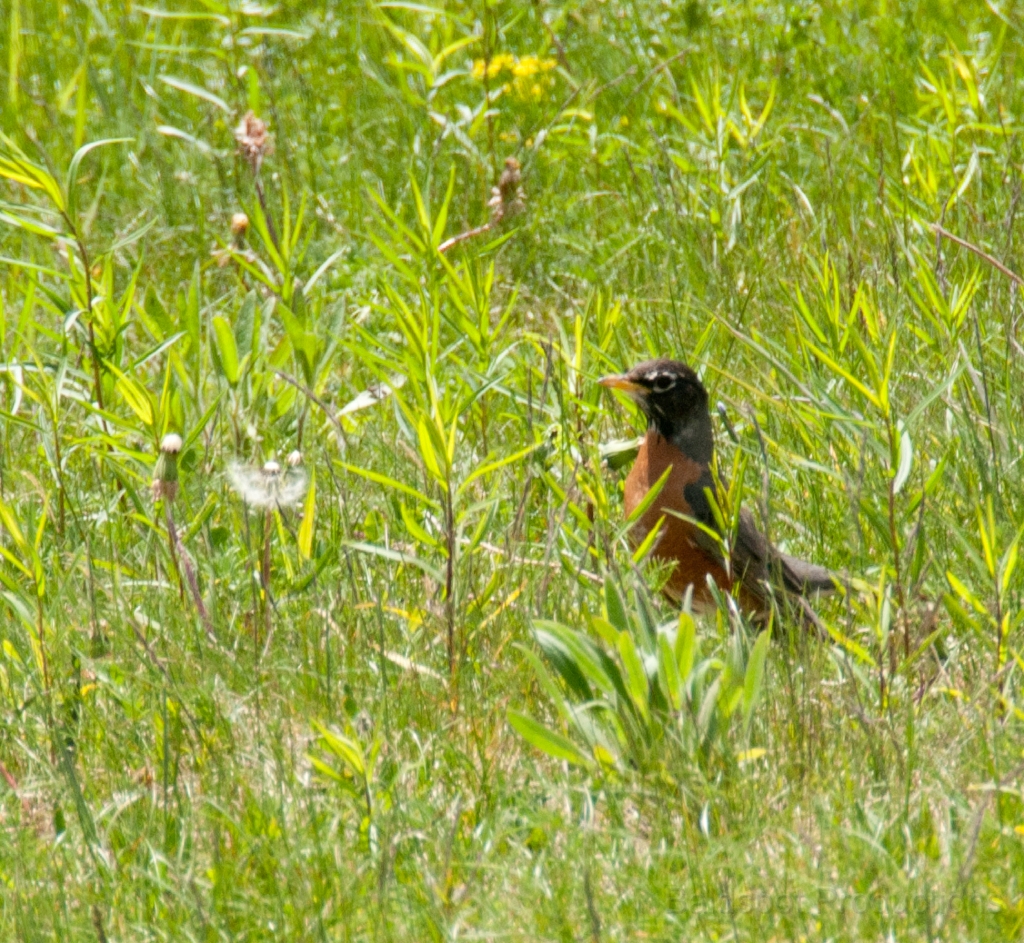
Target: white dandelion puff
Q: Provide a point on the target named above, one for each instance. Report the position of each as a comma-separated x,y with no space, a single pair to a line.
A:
269,486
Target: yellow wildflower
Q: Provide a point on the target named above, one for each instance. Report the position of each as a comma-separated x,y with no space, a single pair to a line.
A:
493,66
531,65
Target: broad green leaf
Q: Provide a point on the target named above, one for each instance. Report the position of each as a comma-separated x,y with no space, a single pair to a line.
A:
854,648
190,313
427,451
346,749
10,522
246,327
686,645
226,348
636,677
614,606
754,677
668,674
906,458
416,530
547,683
569,658
545,740
137,398
965,594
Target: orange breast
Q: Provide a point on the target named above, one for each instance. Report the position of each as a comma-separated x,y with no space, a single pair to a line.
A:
676,543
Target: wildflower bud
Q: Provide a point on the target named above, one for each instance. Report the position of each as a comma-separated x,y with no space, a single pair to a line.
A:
271,468
253,142
239,224
165,475
508,198
294,458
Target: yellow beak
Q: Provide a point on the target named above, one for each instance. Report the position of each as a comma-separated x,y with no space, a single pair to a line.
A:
619,381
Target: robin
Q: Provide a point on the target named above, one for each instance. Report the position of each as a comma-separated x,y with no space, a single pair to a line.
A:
679,438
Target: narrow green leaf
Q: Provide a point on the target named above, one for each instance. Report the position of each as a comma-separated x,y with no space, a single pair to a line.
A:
649,498
397,556
322,270
381,479
71,183
197,91
965,594
308,520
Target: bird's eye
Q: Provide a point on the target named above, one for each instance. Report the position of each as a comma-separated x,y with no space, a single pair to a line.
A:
663,382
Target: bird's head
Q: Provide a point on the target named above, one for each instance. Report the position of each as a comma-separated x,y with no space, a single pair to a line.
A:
674,401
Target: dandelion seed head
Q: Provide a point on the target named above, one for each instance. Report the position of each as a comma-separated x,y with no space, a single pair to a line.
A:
165,474
171,443
267,487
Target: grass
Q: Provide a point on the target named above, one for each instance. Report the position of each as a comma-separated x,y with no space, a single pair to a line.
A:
328,754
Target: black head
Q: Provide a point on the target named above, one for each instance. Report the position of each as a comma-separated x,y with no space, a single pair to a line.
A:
674,401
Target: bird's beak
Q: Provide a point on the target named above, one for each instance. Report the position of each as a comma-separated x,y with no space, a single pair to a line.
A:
619,381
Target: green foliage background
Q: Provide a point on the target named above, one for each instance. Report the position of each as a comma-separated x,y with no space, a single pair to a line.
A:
753,187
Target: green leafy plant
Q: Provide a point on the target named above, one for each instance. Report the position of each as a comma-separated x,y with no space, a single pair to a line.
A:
636,695
448,356
349,764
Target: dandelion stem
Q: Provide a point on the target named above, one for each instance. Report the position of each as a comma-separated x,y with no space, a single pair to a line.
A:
178,553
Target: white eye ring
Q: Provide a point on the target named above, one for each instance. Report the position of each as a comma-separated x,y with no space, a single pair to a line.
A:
663,382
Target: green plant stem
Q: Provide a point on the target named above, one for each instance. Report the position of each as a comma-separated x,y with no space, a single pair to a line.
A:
449,580
179,553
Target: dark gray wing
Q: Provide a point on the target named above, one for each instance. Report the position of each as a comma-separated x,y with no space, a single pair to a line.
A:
754,560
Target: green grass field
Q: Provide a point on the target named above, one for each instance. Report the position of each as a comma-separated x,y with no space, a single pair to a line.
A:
435,695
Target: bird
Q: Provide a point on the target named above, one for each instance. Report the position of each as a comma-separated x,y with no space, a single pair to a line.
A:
680,441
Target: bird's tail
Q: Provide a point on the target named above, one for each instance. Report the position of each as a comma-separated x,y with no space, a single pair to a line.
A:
807,578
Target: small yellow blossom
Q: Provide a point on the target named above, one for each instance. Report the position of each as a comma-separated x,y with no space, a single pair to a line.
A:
531,65
525,73
493,66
